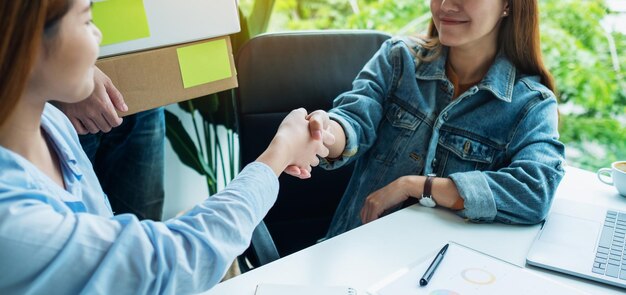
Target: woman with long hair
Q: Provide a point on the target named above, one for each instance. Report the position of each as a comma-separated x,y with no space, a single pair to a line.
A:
464,118
58,234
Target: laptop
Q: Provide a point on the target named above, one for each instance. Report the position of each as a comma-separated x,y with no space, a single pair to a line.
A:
582,240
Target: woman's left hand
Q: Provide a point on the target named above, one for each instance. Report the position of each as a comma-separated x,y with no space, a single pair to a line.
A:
387,197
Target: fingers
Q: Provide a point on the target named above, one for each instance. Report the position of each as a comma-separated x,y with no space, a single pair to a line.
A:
320,129
366,213
302,173
108,121
377,202
301,112
323,151
314,161
108,118
102,118
298,172
372,209
100,106
80,129
116,96
305,173
319,115
318,123
89,125
315,128
94,122
292,170
328,138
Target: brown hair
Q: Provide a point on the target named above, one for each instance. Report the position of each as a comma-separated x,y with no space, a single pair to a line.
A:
518,38
23,26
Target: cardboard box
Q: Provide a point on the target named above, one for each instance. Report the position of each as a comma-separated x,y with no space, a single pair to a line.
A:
153,78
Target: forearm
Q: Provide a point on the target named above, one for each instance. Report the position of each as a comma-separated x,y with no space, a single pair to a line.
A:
336,149
102,255
520,195
275,156
444,191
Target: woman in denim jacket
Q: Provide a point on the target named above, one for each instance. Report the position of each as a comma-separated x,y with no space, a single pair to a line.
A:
471,104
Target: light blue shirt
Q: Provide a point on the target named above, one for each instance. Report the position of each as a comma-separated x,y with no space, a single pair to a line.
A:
57,241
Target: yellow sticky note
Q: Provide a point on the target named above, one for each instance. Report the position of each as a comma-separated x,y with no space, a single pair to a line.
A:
120,20
203,63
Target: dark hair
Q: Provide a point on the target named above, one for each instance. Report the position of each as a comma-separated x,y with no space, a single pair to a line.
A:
518,38
23,24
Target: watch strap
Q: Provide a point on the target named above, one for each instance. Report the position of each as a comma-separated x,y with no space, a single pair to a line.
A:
428,186
427,197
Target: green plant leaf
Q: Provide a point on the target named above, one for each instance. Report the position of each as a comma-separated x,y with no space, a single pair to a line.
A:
238,39
260,16
207,104
225,113
184,147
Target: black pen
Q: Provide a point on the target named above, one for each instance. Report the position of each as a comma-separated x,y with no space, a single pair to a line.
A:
433,266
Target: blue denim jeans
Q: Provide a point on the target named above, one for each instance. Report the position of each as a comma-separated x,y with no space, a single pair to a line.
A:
129,163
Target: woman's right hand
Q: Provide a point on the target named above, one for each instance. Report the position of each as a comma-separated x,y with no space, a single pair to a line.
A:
319,127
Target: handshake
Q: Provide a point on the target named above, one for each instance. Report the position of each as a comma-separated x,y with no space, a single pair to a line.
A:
300,139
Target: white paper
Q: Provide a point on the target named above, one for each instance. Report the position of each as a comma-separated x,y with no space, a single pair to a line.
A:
467,271
279,289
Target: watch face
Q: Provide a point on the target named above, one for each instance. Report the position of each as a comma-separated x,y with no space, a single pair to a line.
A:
427,202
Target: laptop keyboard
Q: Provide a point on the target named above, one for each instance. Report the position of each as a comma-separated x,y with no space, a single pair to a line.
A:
611,254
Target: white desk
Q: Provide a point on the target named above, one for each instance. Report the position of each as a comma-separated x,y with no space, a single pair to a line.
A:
363,256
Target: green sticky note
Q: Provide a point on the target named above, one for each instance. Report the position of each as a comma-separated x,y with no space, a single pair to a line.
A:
203,63
120,20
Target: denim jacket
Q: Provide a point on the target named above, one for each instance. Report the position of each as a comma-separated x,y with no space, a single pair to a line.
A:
498,141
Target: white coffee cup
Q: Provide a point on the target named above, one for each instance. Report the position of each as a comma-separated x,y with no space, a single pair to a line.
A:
616,176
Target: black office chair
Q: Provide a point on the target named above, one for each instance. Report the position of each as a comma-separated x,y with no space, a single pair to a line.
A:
277,73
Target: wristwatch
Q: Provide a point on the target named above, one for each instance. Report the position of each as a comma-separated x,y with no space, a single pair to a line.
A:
427,197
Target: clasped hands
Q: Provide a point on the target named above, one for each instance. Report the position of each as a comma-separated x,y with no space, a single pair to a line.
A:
305,137
321,132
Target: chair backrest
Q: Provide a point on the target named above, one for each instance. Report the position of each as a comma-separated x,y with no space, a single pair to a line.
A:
280,72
